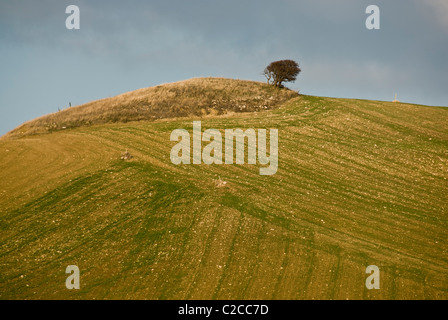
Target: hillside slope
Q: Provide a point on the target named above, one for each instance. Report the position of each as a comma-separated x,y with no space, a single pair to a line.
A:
359,183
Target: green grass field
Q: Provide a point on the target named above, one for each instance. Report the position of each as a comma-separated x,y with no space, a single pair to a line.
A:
359,183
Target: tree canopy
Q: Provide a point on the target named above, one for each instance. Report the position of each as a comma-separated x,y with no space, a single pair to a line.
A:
281,71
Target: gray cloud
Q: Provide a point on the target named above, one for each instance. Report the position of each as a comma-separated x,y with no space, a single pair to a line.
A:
439,10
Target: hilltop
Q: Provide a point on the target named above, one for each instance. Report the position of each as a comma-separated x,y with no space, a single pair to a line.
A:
194,97
359,183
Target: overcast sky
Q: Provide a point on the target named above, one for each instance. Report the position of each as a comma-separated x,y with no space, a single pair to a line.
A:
127,45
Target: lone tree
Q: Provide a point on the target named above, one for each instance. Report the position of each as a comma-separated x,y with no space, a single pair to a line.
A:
281,71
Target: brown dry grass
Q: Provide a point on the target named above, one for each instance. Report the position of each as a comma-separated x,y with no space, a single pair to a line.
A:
194,97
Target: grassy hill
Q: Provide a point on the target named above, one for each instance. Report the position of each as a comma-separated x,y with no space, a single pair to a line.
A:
194,97
359,183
